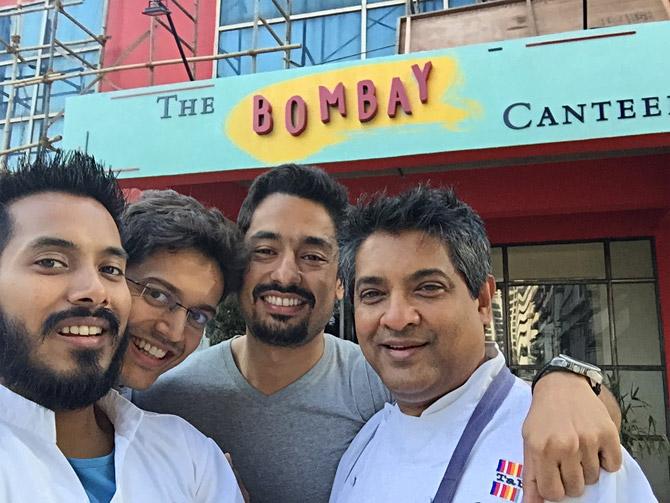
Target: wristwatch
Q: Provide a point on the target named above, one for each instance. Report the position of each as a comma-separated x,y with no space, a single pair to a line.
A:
566,364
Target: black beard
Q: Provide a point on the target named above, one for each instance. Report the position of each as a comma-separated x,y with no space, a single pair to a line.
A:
291,336
35,381
273,333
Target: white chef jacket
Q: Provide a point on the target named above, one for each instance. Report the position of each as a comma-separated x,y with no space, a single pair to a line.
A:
401,458
157,458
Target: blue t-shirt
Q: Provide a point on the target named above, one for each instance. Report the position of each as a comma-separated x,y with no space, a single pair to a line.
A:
97,477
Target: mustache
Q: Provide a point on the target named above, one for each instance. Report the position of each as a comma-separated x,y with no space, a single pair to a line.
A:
268,287
81,312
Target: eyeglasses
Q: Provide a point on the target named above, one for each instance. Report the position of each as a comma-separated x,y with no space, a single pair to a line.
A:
165,300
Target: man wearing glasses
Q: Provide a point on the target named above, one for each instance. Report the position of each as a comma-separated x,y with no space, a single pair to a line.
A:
183,260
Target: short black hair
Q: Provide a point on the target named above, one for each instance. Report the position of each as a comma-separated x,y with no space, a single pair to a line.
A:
166,220
308,182
72,173
436,211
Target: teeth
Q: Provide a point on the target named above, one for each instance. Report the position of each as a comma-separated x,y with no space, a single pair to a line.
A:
281,301
149,349
81,330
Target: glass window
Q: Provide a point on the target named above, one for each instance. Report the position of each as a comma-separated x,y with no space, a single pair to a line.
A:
631,259
579,260
460,3
381,30
31,28
301,6
546,320
88,13
497,263
240,11
496,330
656,468
643,390
636,322
241,40
343,41
19,134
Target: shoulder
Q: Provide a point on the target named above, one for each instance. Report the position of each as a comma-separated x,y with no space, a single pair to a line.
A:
155,425
357,447
192,458
356,373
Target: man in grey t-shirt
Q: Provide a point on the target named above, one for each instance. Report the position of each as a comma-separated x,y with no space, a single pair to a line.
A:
286,399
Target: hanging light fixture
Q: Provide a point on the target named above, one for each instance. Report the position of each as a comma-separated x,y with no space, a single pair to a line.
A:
157,8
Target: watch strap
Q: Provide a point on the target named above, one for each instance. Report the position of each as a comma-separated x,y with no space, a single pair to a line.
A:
549,368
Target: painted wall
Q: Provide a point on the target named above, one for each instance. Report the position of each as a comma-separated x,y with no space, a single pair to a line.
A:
126,24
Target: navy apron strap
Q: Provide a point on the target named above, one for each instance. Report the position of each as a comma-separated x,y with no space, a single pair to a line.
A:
482,415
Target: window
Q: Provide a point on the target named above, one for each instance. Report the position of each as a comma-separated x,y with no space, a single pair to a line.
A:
328,31
596,301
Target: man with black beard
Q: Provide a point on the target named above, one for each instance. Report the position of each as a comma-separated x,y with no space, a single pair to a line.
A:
286,399
64,303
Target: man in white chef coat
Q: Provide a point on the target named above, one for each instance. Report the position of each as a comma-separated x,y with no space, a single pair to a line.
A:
64,303
418,269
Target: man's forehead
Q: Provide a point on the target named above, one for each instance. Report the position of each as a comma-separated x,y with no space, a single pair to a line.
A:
291,217
404,253
81,220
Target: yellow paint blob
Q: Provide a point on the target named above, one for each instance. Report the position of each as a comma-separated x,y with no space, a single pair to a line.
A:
444,108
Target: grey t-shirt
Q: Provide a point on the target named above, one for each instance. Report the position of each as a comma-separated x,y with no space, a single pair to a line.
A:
286,446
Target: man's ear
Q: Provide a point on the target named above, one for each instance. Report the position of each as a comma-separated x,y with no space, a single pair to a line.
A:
339,289
485,299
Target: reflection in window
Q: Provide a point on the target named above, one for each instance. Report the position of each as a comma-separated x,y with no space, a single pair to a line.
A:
636,322
578,260
546,320
381,34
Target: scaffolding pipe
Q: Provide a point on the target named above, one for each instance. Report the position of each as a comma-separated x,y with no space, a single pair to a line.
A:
73,54
135,66
254,33
196,31
48,143
7,128
101,56
98,38
19,10
44,46
46,99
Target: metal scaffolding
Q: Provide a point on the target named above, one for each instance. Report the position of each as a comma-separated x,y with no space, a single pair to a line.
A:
39,60
85,74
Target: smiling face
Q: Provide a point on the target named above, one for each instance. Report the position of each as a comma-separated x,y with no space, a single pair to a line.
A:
416,321
160,338
63,300
290,286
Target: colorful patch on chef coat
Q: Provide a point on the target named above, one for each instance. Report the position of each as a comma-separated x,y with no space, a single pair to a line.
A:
507,484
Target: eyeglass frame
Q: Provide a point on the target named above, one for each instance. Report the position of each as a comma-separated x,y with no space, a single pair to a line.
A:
170,306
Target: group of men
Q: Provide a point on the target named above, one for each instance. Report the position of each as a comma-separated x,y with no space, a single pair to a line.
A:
94,294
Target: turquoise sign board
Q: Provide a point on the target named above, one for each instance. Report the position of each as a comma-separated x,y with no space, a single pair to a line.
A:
570,86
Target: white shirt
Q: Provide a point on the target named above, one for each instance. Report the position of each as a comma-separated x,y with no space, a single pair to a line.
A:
157,458
401,458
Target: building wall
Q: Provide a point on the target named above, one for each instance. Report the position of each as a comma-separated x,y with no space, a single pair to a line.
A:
129,43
